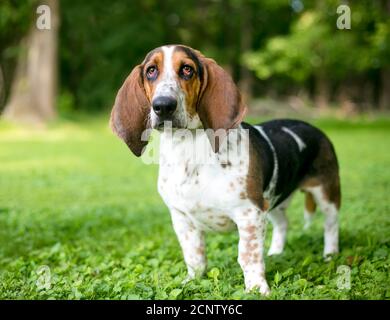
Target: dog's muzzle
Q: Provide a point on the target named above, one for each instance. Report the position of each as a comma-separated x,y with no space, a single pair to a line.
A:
164,107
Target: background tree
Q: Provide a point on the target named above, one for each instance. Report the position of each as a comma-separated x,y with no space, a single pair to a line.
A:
15,20
34,87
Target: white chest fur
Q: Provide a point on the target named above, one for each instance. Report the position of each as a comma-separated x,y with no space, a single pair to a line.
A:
202,184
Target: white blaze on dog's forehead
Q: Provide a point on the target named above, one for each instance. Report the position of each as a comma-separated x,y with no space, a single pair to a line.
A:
298,140
168,61
168,85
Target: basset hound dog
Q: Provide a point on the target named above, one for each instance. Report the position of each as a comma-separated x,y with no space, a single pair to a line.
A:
238,179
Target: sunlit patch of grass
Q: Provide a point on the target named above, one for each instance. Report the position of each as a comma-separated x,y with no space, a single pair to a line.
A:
74,199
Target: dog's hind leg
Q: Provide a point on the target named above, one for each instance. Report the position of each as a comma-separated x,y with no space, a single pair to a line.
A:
323,183
327,196
278,218
310,208
330,207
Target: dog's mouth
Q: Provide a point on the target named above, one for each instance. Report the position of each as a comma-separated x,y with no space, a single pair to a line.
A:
168,125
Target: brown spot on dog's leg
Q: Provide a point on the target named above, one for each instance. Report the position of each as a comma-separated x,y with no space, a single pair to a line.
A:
264,205
310,204
251,229
245,257
200,250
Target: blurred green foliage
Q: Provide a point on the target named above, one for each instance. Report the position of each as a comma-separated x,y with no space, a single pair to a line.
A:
15,19
314,44
101,41
279,47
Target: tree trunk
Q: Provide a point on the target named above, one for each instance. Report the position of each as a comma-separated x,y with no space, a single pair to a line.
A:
34,88
384,99
322,91
384,102
347,107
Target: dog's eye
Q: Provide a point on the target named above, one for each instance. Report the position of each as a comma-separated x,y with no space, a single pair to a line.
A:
187,71
151,72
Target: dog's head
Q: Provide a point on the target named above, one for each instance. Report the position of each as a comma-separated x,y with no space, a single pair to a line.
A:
177,84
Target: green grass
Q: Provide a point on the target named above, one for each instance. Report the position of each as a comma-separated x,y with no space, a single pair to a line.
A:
74,199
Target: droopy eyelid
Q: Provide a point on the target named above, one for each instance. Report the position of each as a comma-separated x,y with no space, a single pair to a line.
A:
185,64
155,73
152,65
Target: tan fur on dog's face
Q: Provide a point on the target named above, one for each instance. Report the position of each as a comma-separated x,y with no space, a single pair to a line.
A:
206,95
171,75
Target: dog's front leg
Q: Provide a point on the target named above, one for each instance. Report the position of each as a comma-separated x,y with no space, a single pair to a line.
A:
251,226
192,243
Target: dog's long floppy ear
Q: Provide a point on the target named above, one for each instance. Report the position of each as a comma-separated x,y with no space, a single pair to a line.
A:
220,106
130,112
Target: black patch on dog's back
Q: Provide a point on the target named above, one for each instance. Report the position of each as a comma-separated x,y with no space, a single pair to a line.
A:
293,163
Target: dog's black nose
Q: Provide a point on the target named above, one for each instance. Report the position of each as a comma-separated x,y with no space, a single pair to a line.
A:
164,107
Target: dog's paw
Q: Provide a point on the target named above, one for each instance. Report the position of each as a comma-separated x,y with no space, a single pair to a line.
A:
330,252
329,256
261,287
274,251
265,291
187,279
